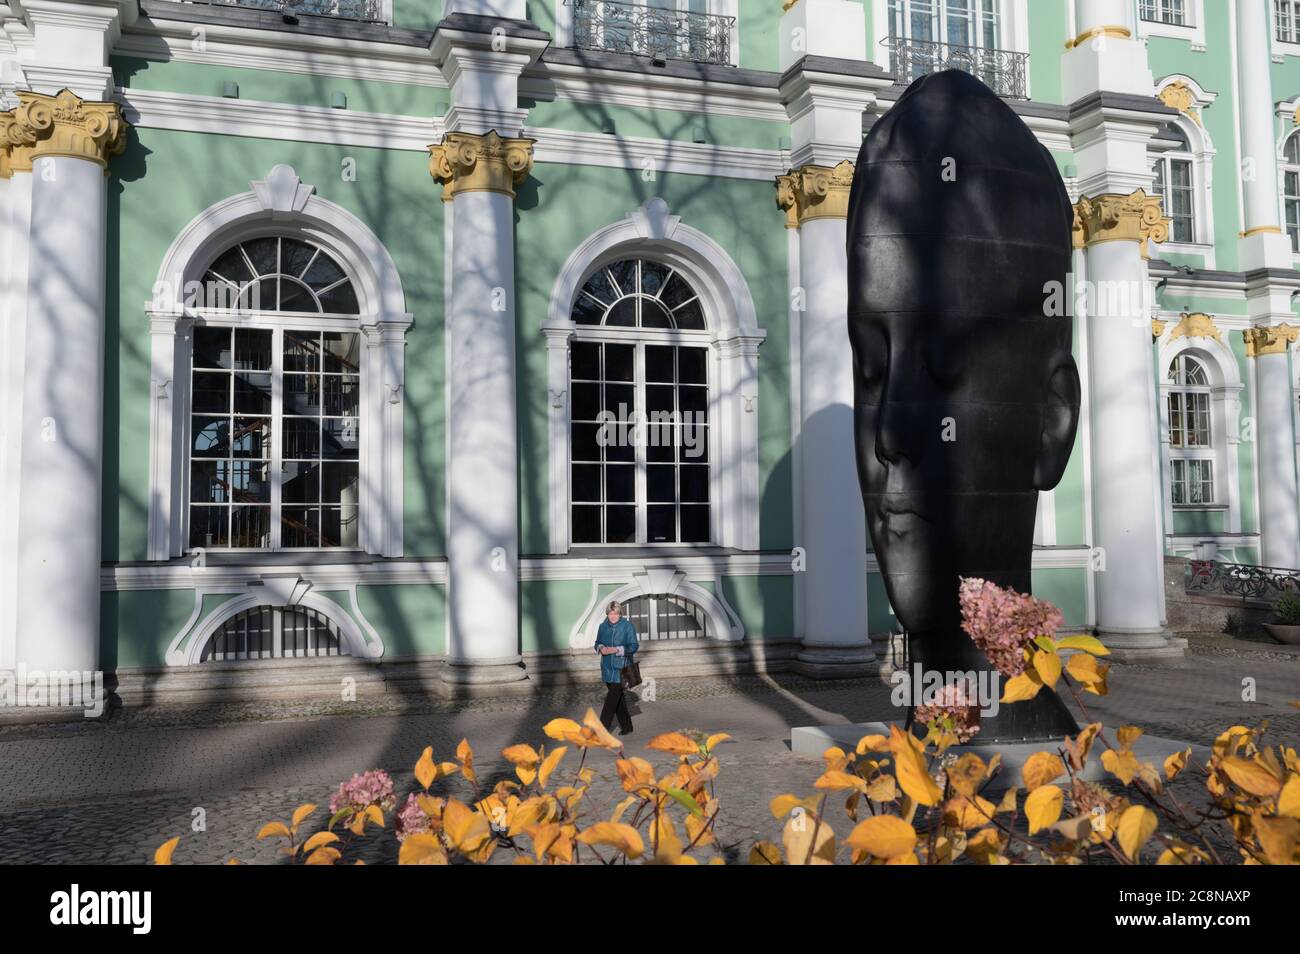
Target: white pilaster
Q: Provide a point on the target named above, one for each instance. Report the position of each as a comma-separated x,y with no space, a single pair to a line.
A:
483,527
1263,244
1127,532
62,419
1270,348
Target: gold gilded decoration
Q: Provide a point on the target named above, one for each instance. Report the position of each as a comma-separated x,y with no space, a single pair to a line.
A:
464,162
1121,218
1178,95
1196,325
1274,340
1260,230
1114,32
59,125
814,192
1158,328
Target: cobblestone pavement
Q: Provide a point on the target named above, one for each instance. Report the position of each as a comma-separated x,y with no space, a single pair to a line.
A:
112,791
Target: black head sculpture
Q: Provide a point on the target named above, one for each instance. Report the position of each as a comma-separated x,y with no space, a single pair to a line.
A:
967,395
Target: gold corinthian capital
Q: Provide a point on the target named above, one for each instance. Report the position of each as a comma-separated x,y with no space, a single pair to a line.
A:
1120,218
1274,340
814,192
464,162
59,125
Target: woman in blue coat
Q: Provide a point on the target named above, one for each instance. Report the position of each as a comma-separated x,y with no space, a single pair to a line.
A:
616,642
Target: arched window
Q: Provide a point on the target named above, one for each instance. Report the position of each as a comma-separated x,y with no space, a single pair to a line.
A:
666,617
1191,437
275,401
1291,188
1175,183
639,408
277,340
273,632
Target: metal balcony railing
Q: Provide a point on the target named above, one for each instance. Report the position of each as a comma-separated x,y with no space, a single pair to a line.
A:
1003,71
366,11
1245,582
652,31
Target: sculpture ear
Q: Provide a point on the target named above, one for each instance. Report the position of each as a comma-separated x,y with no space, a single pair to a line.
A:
1060,421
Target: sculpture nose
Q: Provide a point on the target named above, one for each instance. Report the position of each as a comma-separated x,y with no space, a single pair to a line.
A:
895,431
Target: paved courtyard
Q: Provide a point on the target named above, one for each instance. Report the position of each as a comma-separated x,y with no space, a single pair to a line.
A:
112,791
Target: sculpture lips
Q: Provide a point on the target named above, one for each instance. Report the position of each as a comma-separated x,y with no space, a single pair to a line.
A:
952,194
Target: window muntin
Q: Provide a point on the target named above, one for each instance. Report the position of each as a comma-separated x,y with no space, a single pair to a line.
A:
1191,436
1286,16
1175,183
275,274
639,410
275,411
1172,12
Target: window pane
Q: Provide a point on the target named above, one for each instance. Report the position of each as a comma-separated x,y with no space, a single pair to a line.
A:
250,527
209,526
212,347
619,361
585,402
252,394
661,524
620,524
211,393
586,525
339,438
692,367
586,483
695,524
301,351
301,438
300,527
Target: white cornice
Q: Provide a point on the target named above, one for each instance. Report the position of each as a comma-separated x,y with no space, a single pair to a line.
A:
215,579
216,115
264,120
216,44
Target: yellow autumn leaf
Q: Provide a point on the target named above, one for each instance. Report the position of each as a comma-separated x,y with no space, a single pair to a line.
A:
622,837
300,814
803,834
163,856
1086,671
1127,735
549,764
324,856
425,770
1043,807
674,743
783,805
909,765
1176,763
1048,666
422,848
967,773
884,836
319,839
599,733
1136,826
1278,837
1089,644
465,755
1123,765
1251,776
465,829
1022,687
561,729
872,743
765,853
1288,802
274,830
716,739
1041,768
840,781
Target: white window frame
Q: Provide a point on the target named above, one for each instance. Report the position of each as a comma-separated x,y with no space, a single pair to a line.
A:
733,337
1225,391
721,8
1191,29
385,7
1013,18
280,204
1287,45
1201,152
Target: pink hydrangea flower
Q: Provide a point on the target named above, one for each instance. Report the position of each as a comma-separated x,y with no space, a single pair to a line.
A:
953,703
411,819
364,788
1003,622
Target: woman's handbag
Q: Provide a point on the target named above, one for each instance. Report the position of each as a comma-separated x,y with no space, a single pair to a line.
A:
631,675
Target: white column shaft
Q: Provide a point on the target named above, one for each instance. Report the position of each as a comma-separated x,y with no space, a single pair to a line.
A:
482,533
62,419
1125,480
834,534
1278,497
